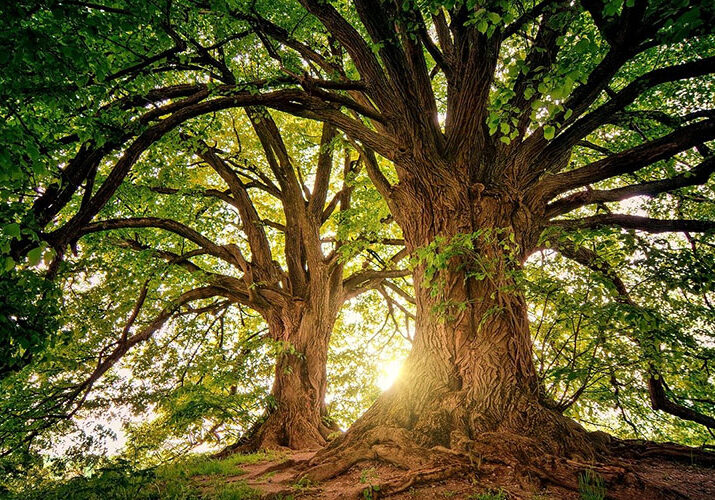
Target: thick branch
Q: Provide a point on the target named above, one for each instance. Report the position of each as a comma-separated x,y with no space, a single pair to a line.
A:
363,281
695,176
637,222
364,59
252,223
222,252
590,122
316,205
630,160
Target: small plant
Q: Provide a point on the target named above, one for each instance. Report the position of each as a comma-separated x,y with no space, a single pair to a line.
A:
591,486
303,484
490,494
367,477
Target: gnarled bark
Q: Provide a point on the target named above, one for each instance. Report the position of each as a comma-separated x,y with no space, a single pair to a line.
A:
296,417
469,385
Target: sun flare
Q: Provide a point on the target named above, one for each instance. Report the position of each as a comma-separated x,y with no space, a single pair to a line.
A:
389,371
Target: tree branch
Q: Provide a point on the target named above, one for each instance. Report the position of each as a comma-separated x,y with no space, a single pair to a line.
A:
363,281
252,224
656,390
629,160
637,222
590,122
232,256
695,176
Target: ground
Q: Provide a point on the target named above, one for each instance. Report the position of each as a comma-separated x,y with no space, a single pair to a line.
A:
275,476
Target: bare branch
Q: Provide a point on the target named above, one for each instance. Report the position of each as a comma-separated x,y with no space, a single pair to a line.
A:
695,176
637,222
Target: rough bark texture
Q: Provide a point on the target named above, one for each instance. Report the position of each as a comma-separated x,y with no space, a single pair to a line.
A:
297,419
469,385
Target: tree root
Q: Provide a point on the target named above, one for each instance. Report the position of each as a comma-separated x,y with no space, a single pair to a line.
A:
418,477
497,452
279,432
390,445
639,449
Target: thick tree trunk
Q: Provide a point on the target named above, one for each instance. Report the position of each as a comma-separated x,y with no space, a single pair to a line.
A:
469,384
296,417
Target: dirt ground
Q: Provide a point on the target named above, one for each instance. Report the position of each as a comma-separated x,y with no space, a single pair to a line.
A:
665,479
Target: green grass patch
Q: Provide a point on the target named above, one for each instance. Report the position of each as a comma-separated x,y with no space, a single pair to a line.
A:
204,466
195,478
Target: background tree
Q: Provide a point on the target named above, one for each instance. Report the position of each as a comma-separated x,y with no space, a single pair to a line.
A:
298,298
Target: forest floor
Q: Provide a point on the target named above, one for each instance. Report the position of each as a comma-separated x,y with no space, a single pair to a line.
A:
273,475
484,482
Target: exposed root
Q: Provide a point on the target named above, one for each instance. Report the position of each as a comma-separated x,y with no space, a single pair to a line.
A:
638,449
280,432
522,456
419,476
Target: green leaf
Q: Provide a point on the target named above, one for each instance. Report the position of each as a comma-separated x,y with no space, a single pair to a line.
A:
34,256
12,230
549,132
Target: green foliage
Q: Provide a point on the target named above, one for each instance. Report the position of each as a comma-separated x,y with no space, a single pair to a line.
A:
29,318
368,477
77,78
189,479
486,254
593,350
591,486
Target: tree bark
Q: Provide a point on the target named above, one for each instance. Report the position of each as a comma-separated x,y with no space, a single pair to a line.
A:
297,417
469,384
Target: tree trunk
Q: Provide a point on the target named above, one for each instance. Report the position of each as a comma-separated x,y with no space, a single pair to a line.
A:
296,417
469,384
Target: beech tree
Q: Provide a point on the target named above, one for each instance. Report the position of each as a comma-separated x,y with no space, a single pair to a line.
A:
492,130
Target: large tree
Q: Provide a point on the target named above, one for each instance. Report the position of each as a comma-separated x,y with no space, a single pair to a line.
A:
489,160
509,125
287,264
300,300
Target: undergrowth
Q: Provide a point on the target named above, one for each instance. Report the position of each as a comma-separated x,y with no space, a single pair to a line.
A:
193,478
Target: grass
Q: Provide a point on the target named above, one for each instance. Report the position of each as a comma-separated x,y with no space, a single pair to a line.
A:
490,494
591,486
202,466
195,478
